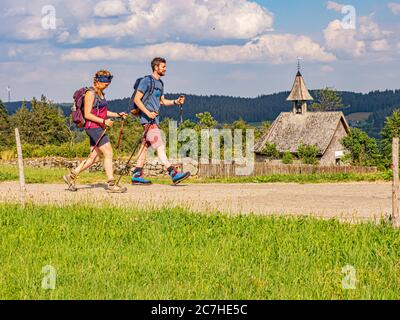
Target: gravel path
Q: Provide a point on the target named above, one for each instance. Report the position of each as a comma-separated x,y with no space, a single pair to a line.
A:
346,201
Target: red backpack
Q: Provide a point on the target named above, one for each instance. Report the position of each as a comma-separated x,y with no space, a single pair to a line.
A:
79,105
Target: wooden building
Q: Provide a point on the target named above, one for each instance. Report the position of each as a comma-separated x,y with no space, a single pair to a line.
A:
322,129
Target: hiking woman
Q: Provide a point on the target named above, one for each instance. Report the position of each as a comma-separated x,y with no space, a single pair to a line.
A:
96,114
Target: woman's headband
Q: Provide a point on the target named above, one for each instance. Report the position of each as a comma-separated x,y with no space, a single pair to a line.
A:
105,79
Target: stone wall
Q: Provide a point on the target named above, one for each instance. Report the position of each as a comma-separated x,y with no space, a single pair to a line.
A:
152,168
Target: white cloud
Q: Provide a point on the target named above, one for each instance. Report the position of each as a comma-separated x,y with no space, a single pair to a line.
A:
15,11
395,7
368,29
63,37
380,45
273,49
14,52
331,5
368,36
343,40
158,21
30,28
327,69
110,8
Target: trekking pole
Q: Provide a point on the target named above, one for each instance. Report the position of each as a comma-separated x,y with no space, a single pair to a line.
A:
123,171
181,114
181,111
120,136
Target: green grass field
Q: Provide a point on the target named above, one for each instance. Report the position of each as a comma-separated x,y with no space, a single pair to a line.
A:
114,253
34,175
358,116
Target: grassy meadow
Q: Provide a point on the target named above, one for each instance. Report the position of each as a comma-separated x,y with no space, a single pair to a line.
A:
120,253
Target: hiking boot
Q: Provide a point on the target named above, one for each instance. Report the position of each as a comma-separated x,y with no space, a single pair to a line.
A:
138,180
70,180
178,177
114,188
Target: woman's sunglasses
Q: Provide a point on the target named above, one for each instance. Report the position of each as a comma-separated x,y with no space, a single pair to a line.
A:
104,79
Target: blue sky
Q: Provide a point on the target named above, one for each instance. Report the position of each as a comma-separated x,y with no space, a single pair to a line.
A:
232,47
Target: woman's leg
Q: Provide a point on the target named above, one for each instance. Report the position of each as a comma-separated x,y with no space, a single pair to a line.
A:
107,151
93,158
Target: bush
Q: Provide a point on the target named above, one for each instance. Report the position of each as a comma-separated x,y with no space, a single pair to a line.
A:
287,158
77,150
271,151
308,154
362,150
8,155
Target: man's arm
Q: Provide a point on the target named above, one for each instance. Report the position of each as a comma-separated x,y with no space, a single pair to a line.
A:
138,101
170,103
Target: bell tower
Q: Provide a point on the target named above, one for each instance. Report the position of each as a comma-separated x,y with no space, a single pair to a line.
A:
299,94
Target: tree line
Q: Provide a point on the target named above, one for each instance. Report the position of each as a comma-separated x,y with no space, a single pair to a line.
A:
227,109
46,127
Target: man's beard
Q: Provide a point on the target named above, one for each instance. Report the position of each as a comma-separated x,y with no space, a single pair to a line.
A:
161,74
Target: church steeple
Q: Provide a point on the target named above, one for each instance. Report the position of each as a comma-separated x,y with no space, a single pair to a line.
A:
299,94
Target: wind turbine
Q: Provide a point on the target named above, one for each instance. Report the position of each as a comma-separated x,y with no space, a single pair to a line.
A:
9,94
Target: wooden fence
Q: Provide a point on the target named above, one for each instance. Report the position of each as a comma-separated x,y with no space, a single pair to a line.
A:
265,169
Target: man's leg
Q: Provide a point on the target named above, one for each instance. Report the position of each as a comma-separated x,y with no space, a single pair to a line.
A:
162,155
174,174
142,155
137,177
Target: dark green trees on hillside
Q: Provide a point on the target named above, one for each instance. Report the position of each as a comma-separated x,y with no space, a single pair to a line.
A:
44,124
5,127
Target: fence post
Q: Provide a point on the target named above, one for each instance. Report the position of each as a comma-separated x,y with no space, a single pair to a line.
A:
395,197
21,169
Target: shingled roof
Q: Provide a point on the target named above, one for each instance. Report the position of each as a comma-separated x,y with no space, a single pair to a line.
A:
313,128
299,90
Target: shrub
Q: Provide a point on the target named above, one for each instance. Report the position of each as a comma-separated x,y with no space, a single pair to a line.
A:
287,158
271,151
362,150
308,154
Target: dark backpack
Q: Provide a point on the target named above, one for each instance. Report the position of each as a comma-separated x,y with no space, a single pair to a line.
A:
132,105
78,109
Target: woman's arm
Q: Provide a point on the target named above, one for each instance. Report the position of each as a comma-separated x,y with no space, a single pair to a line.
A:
111,114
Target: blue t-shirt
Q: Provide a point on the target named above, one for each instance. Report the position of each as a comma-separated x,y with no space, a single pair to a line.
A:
153,102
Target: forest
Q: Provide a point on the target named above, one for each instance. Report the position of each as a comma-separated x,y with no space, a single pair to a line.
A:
226,109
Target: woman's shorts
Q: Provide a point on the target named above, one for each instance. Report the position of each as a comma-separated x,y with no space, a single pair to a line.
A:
95,134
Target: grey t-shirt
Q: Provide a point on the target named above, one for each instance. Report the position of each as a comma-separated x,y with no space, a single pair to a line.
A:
153,102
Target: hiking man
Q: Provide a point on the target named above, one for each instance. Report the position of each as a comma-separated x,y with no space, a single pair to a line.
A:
153,87
96,114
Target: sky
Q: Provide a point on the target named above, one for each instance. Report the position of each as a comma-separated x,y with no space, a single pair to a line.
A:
225,47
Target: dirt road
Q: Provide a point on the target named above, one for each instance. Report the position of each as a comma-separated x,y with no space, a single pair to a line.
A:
347,201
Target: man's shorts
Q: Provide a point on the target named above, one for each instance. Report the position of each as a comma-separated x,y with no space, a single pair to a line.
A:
153,137
95,134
